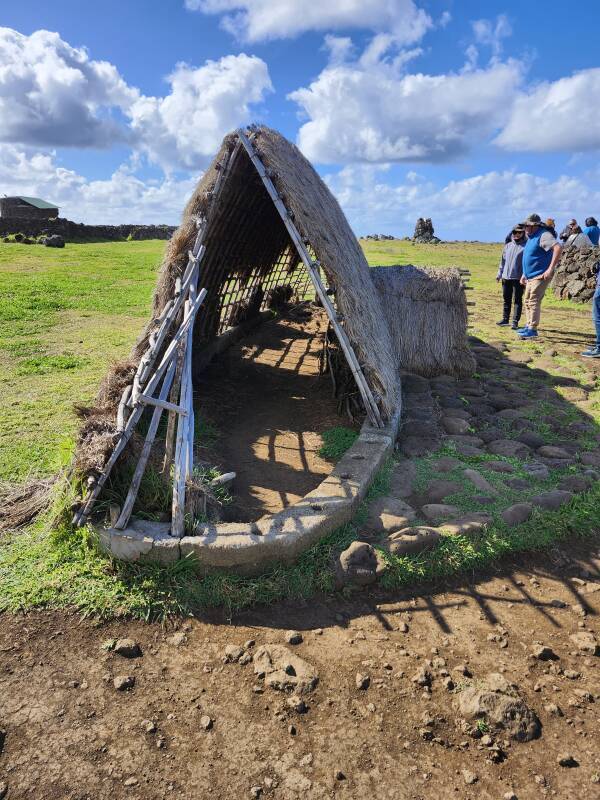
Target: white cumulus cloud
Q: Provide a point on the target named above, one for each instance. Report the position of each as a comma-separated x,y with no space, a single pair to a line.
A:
121,198
554,116
54,94
260,20
184,128
479,207
371,112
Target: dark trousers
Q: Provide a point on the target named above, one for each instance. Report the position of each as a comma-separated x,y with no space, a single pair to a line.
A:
596,314
510,287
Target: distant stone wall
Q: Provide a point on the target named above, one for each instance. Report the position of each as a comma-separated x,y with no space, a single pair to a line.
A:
575,277
77,232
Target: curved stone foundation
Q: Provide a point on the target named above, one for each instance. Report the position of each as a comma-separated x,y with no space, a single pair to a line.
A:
248,547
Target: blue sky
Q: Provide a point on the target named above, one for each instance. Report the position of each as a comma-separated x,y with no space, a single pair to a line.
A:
466,112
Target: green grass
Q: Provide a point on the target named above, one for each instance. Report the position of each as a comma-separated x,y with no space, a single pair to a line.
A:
336,441
66,314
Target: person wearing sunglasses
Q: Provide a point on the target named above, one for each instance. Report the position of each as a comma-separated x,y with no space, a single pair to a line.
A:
540,256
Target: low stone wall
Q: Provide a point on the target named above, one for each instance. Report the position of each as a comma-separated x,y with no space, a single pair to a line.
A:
575,278
248,548
78,232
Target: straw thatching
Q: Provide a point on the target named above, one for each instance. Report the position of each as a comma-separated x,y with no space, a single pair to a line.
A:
250,265
427,316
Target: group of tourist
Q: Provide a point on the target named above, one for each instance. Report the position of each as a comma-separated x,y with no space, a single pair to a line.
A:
531,253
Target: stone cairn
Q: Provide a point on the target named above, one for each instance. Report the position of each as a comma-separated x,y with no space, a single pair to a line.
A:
424,232
575,276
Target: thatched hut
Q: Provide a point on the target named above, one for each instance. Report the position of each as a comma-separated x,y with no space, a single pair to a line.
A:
270,230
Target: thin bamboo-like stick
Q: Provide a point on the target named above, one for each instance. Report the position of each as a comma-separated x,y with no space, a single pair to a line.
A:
121,421
163,404
181,446
84,511
145,454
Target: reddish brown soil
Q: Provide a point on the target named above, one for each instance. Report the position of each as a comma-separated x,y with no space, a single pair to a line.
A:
70,735
269,405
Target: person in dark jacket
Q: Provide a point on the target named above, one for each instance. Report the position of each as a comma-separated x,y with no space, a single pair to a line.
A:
510,271
567,230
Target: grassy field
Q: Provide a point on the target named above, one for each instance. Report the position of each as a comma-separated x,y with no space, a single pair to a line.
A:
66,314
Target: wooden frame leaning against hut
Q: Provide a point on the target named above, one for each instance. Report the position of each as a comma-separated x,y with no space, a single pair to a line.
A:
261,227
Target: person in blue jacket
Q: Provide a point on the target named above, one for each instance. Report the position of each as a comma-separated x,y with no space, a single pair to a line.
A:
510,272
592,230
540,256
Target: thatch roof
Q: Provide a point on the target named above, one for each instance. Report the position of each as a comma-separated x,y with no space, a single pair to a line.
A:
249,254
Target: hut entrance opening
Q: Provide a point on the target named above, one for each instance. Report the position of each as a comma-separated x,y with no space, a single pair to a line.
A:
261,402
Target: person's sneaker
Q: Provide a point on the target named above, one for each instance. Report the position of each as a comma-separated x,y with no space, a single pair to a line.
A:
502,322
520,331
528,333
592,352
515,326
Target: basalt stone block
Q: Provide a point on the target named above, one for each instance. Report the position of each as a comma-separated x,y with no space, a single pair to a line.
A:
553,500
413,540
517,514
509,448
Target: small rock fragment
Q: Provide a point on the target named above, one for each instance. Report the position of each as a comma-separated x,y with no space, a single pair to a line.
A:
586,642
362,681
132,781
293,637
543,653
124,682
149,726
206,722
567,760
232,653
469,777
256,791
128,648
339,775
422,677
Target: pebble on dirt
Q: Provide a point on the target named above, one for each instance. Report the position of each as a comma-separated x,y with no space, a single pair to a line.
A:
128,648
586,642
469,777
293,637
124,682
362,681
567,760
543,653
206,722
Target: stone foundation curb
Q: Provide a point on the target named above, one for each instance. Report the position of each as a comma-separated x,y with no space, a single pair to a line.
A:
247,548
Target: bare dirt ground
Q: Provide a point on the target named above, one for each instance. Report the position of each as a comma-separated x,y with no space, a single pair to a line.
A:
271,438
193,726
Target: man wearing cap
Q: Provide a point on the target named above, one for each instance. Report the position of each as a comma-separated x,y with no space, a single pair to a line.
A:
510,272
540,256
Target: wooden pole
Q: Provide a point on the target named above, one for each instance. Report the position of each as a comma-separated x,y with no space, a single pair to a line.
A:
145,454
80,516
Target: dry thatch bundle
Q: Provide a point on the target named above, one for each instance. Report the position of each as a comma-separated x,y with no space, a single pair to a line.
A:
21,503
427,316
